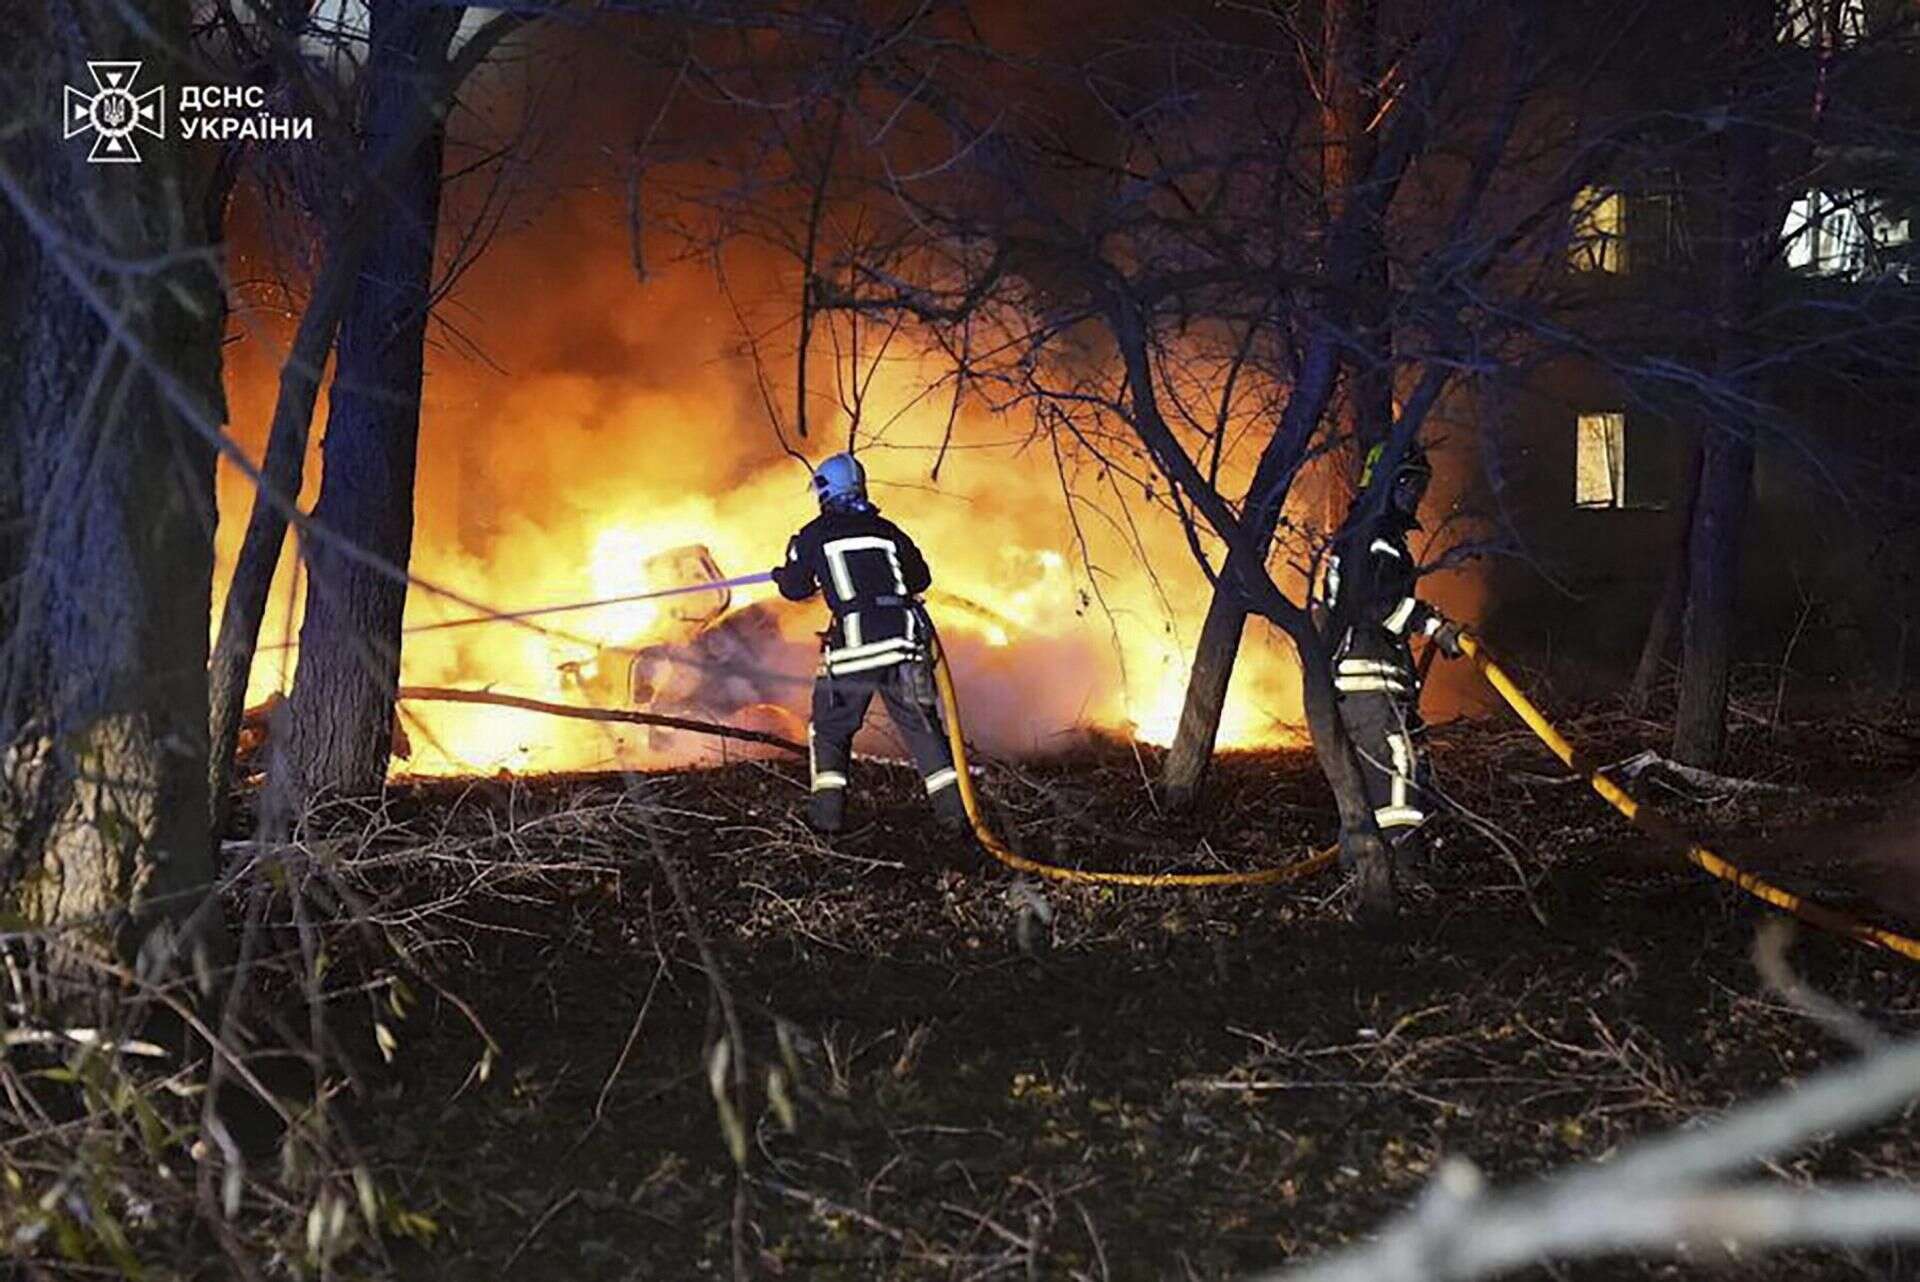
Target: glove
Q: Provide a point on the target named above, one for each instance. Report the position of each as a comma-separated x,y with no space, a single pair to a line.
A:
1447,637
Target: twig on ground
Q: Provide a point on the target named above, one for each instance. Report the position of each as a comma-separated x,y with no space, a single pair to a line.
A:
633,1036
546,1218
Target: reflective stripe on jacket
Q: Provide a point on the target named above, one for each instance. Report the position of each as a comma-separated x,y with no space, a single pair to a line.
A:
870,573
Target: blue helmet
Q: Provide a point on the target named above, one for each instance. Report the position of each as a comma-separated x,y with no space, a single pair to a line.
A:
840,482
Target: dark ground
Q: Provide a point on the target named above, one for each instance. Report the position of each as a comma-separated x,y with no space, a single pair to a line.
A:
952,1072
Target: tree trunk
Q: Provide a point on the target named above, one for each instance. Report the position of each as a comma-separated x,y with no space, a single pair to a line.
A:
1214,655
1351,106
106,447
1713,572
1749,229
280,473
1665,622
1352,333
1661,627
1359,836
1360,841
1218,648
282,468
341,707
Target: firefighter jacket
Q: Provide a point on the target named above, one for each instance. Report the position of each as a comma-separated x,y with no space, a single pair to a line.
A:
1371,606
871,574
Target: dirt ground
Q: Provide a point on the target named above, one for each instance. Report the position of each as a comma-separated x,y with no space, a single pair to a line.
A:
953,1072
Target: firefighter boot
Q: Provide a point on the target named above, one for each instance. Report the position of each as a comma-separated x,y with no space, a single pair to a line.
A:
1408,851
827,810
948,809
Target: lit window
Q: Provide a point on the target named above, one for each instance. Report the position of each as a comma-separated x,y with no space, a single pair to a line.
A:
1600,461
1824,24
1600,231
1845,233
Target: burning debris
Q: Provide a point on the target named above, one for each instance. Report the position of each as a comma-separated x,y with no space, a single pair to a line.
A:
689,566
705,660
740,668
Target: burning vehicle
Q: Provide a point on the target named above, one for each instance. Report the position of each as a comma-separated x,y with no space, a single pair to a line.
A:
711,662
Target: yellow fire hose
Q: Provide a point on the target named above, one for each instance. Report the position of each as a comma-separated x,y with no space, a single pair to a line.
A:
1827,919
956,739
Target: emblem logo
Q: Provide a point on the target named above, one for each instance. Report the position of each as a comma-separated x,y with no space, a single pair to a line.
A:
114,112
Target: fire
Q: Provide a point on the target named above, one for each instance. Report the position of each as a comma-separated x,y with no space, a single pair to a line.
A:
605,445
613,568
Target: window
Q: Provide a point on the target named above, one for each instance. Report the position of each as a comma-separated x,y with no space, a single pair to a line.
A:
1661,237
1823,24
1846,233
1600,461
1599,231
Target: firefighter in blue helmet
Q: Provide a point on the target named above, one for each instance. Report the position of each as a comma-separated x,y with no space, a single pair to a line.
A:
872,576
1372,613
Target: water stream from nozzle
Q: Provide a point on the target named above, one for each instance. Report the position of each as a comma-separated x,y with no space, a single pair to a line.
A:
512,616
710,585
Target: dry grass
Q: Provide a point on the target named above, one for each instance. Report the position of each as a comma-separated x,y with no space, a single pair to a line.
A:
932,1069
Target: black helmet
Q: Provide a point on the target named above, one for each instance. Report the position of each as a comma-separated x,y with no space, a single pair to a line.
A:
1410,478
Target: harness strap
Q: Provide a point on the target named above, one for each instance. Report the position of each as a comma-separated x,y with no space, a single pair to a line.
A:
854,605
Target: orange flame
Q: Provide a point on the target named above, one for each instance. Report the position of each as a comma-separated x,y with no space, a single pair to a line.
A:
625,426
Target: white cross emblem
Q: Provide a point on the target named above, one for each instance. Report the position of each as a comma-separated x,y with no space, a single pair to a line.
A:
113,111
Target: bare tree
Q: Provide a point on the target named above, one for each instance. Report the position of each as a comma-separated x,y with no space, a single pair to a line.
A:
1175,215
351,197
1794,82
1769,194
1421,248
1353,333
109,395
378,286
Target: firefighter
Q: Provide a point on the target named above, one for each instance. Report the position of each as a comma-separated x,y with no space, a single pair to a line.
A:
1372,613
872,576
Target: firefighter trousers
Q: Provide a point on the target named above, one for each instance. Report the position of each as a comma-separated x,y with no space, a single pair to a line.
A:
1386,731
840,706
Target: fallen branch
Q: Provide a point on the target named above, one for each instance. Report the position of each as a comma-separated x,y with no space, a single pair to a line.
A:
1706,781
442,694
1662,1195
